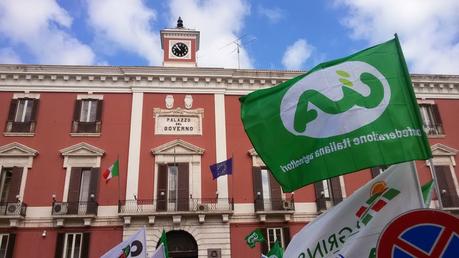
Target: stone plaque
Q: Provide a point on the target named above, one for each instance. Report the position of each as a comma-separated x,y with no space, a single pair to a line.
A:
178,121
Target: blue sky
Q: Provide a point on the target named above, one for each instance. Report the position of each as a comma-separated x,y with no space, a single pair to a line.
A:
293,35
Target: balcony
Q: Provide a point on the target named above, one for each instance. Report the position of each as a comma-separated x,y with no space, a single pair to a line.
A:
85,211
13,212
433,129
200,207
274,207
13,209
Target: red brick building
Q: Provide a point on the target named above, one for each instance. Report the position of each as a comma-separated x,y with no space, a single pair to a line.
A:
64,125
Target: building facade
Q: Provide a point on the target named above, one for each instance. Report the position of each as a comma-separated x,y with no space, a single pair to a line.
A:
64,125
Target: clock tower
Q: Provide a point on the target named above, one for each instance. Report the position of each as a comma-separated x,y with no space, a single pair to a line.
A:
180,46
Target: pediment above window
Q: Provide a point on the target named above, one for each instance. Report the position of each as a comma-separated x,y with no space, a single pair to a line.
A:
256,160
17,150
253,152
177,147
443,150
82,149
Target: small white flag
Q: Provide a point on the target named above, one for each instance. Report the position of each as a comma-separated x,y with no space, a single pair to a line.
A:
134,246
351,229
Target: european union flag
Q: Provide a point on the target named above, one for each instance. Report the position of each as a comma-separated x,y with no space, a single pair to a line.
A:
222,168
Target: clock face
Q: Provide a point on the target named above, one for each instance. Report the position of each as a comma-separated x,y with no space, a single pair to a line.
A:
179,49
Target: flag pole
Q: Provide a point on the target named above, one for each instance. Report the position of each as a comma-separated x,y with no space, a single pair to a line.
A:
437,188
119,175
417,114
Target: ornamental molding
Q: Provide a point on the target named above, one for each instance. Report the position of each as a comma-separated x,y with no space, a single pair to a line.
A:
82,149
443,150
177,147
16,149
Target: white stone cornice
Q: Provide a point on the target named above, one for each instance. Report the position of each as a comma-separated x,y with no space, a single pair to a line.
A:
82,149
16,149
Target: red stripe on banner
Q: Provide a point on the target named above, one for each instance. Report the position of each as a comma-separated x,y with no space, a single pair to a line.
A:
361,211
379,205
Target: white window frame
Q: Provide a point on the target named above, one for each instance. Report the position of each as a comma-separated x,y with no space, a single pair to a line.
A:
268,237
72,255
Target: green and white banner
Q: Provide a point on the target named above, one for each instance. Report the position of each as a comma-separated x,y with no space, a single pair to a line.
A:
342,116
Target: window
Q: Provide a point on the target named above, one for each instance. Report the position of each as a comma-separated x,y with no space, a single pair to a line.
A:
10,184
22,115
72,245
447,186
273,234
328,193
267,191
173,187
7,245
87,116
431,119
82,191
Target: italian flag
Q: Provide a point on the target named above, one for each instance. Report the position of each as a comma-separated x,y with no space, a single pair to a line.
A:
112,171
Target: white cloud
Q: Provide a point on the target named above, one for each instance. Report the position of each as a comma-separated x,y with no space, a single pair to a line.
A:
127,25
274,15
296,55
428,30
41,26
220,23
8,56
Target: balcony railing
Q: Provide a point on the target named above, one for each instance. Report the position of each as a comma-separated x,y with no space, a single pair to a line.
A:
274,205
195,205
433,129
13,209
20,127
74,208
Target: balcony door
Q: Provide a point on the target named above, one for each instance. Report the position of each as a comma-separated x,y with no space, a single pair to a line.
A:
173,187
267,191
82,189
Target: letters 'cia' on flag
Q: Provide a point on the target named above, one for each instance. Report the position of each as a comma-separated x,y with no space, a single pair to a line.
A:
254,237
342,116
352,228
134,246
222,168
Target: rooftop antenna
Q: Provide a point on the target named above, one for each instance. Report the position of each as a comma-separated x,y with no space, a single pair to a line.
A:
238,43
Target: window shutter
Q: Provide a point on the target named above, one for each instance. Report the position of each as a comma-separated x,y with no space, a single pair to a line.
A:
77,111
10,247
320,199
264,244
59,245
286,234
447,191
12,112
336,190
99,110
183,187
93,186
85,245
374,172
276,193
161,200
15,184
257,188
74,190
33,116
436,113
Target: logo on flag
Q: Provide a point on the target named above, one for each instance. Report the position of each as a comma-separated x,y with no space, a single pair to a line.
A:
380,196
254,237
356,98
222,168
134,246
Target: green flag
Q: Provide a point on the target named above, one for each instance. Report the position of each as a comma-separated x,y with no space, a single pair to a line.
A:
254,237
276,251
163,240
342,116
427,193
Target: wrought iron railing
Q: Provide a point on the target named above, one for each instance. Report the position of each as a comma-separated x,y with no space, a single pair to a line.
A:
274,204
433,129
20,127
74,208
13,209
186,205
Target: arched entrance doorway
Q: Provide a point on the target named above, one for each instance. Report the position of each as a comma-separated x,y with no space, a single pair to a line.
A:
181,244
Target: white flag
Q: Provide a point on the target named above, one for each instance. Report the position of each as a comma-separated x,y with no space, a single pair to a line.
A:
351,229
159,252
134,246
